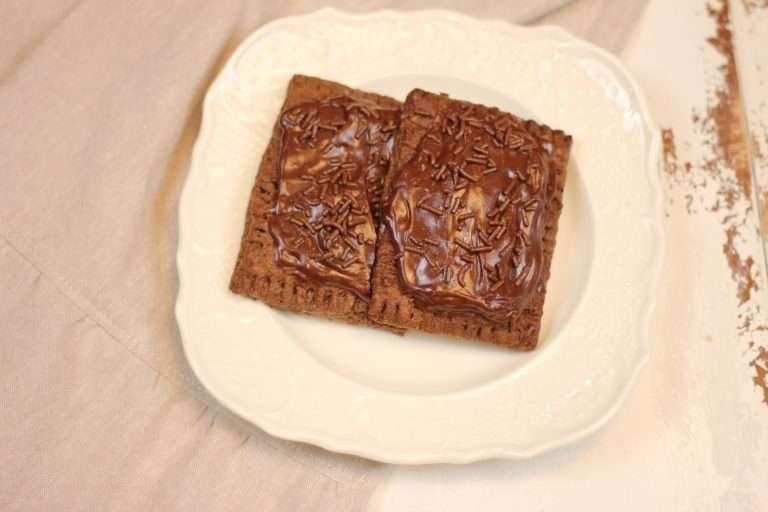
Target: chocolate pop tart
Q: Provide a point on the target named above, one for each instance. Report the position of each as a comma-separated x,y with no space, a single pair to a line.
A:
472,207
311,225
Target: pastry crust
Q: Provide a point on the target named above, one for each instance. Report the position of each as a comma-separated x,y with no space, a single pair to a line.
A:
392,306
256,273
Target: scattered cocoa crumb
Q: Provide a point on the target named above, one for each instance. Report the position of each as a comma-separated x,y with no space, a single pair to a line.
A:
741,268
760,366
725,117
675,172
669,151
726,138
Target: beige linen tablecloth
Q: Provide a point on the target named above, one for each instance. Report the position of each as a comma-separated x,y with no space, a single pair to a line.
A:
99,107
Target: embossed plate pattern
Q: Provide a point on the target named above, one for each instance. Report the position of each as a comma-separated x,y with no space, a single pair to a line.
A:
419,398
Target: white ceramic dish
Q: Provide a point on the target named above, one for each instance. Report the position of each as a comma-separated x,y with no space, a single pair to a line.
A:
419,398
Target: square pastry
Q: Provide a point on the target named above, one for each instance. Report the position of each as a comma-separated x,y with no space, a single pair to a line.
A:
311,226
472,206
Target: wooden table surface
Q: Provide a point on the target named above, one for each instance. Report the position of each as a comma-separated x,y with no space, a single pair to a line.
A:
693,434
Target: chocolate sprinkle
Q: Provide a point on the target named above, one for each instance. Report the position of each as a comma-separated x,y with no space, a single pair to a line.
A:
462,137
332,186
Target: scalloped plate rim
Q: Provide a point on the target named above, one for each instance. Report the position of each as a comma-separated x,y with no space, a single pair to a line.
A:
505,451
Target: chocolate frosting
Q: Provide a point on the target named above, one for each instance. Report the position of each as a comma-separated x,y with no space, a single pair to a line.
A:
467,211
333,158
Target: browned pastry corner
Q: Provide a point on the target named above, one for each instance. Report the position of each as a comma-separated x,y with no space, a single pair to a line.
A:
472,207
310,228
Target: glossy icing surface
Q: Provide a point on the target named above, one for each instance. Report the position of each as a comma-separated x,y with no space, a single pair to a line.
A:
333,158
467,210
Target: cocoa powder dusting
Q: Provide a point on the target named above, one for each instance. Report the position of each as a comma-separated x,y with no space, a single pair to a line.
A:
741,268
669,150
725,117
760,365
675,172
725,167
668,145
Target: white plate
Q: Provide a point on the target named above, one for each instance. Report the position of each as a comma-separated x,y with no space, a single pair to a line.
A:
420,398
